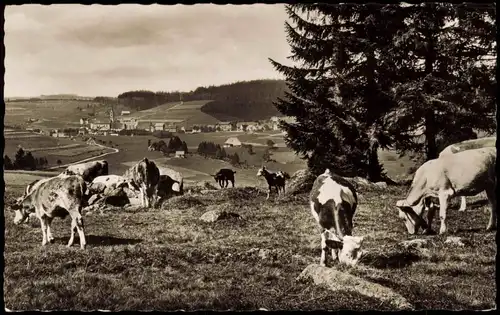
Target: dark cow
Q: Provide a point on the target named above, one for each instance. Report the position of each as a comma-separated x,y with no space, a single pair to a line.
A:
145,177
55,197
224,176
89,171
333,202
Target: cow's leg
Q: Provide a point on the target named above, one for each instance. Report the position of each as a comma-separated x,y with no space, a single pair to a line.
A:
43,224
430,216
337,217
444,198
81,232
268,192
72,236
463,204
324,248
232,182
50,238
492,224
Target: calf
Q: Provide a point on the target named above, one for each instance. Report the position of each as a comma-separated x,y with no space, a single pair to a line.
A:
89,170
224,176
276,180
333,202
464,173
54,197
467,145
144,176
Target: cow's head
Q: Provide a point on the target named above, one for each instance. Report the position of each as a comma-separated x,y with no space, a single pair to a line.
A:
411,216
22,208
217,177
261,171
351,250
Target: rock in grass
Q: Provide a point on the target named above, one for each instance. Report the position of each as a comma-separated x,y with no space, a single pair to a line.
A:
216,215
341,281
454,240
416,243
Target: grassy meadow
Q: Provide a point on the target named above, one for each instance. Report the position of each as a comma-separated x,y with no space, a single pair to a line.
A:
167,259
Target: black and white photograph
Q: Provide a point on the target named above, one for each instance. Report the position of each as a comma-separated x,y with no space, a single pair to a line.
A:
250,157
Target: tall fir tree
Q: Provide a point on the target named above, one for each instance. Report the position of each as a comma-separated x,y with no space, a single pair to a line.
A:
443,88
339,94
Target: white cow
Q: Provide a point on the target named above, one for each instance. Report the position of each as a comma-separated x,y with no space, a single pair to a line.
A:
55,197
105,183
464,173
333,202
467,145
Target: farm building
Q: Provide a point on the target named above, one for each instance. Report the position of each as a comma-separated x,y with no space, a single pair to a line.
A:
129,123
117,126
59,134
100,125
125,112
144,125
232,142
225,126
171,128
84,121
180,154
246,126
82,131
158,126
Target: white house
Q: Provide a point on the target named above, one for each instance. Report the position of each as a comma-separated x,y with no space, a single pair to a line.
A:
232,142
180,154
125,112
99,125
225,126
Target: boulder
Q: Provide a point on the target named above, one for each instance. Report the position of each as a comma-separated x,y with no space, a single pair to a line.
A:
336,280
216,215
454,240
416,243
301,182
381,185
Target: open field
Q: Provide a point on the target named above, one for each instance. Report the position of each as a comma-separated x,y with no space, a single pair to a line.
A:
51,113
54,149
166,259
188,112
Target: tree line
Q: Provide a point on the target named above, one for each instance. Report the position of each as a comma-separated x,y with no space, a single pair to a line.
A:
412,77
246,100
174,144
209,149
24,161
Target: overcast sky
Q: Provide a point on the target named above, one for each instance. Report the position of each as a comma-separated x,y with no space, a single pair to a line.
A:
106,50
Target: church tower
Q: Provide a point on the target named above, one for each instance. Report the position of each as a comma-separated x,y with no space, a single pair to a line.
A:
112,115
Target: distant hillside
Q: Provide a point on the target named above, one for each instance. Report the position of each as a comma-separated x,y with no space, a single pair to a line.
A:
248,100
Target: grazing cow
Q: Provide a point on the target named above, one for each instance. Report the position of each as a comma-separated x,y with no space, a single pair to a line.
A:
467,145
55,197
276,180
88,170
103,184
144,176
464,173
333,202
224,176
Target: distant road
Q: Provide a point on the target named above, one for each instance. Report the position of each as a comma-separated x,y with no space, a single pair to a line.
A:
87,159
